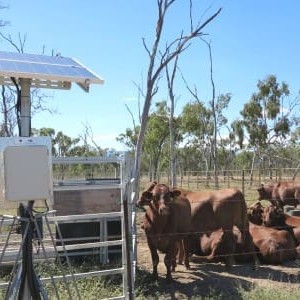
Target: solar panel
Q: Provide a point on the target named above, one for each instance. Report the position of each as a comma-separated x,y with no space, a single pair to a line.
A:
45,71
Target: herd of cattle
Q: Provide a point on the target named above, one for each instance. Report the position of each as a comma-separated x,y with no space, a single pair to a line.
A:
218,225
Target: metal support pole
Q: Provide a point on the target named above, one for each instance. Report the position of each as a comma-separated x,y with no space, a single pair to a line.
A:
30,288
25,117
128,243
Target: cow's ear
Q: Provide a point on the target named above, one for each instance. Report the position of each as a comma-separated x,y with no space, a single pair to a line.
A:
176,193
151,186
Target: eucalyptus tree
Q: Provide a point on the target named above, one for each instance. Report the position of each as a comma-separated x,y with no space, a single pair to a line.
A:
156,137
201,124
129,137
156,144
267,119
197,128
62,145
46,131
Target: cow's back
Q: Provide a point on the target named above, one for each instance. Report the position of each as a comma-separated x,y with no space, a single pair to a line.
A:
229,206
292,220
275,246
218,209
287,192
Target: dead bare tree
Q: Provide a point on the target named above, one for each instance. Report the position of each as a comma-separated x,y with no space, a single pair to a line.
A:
10,97
170,80
214,114
88,136
158,60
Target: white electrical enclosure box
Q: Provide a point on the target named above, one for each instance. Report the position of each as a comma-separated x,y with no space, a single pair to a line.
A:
26,169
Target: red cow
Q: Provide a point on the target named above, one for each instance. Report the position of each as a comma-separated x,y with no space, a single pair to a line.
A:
220,209
275,246
294,221
281,193
166,223
276,218
255,213
282,239
219,246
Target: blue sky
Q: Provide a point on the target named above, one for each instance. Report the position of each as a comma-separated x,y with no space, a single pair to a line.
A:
249,39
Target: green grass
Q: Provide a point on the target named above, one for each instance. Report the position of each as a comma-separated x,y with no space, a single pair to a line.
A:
269,294
90,288
147,288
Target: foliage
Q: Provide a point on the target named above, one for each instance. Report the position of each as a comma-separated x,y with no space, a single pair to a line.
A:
129,138
266,118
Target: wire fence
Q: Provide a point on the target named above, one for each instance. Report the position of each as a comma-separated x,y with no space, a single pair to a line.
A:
247,181
61,262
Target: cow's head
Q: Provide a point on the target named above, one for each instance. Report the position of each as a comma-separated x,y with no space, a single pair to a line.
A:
147,196
265,192
160,195
255,213
273,216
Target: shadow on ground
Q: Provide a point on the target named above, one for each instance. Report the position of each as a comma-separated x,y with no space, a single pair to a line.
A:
211,281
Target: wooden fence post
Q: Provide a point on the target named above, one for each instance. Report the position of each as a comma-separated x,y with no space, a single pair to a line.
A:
228,180
243,181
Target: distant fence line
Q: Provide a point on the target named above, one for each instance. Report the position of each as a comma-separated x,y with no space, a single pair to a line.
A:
245,180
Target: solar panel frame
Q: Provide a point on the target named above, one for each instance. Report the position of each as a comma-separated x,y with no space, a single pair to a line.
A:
46,71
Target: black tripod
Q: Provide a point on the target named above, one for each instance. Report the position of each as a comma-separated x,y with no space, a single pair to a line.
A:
26,284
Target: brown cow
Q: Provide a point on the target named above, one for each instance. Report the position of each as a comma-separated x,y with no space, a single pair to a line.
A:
272,245
220,209
294,221
275,246
166,223
218,246
255,213
281,193
273,217
276,218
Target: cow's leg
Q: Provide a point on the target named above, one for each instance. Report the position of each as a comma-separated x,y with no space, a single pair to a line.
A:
249,244
186,251
230,242
181,252
170,259
154,256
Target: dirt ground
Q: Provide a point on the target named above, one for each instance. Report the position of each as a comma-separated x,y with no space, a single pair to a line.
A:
211,279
